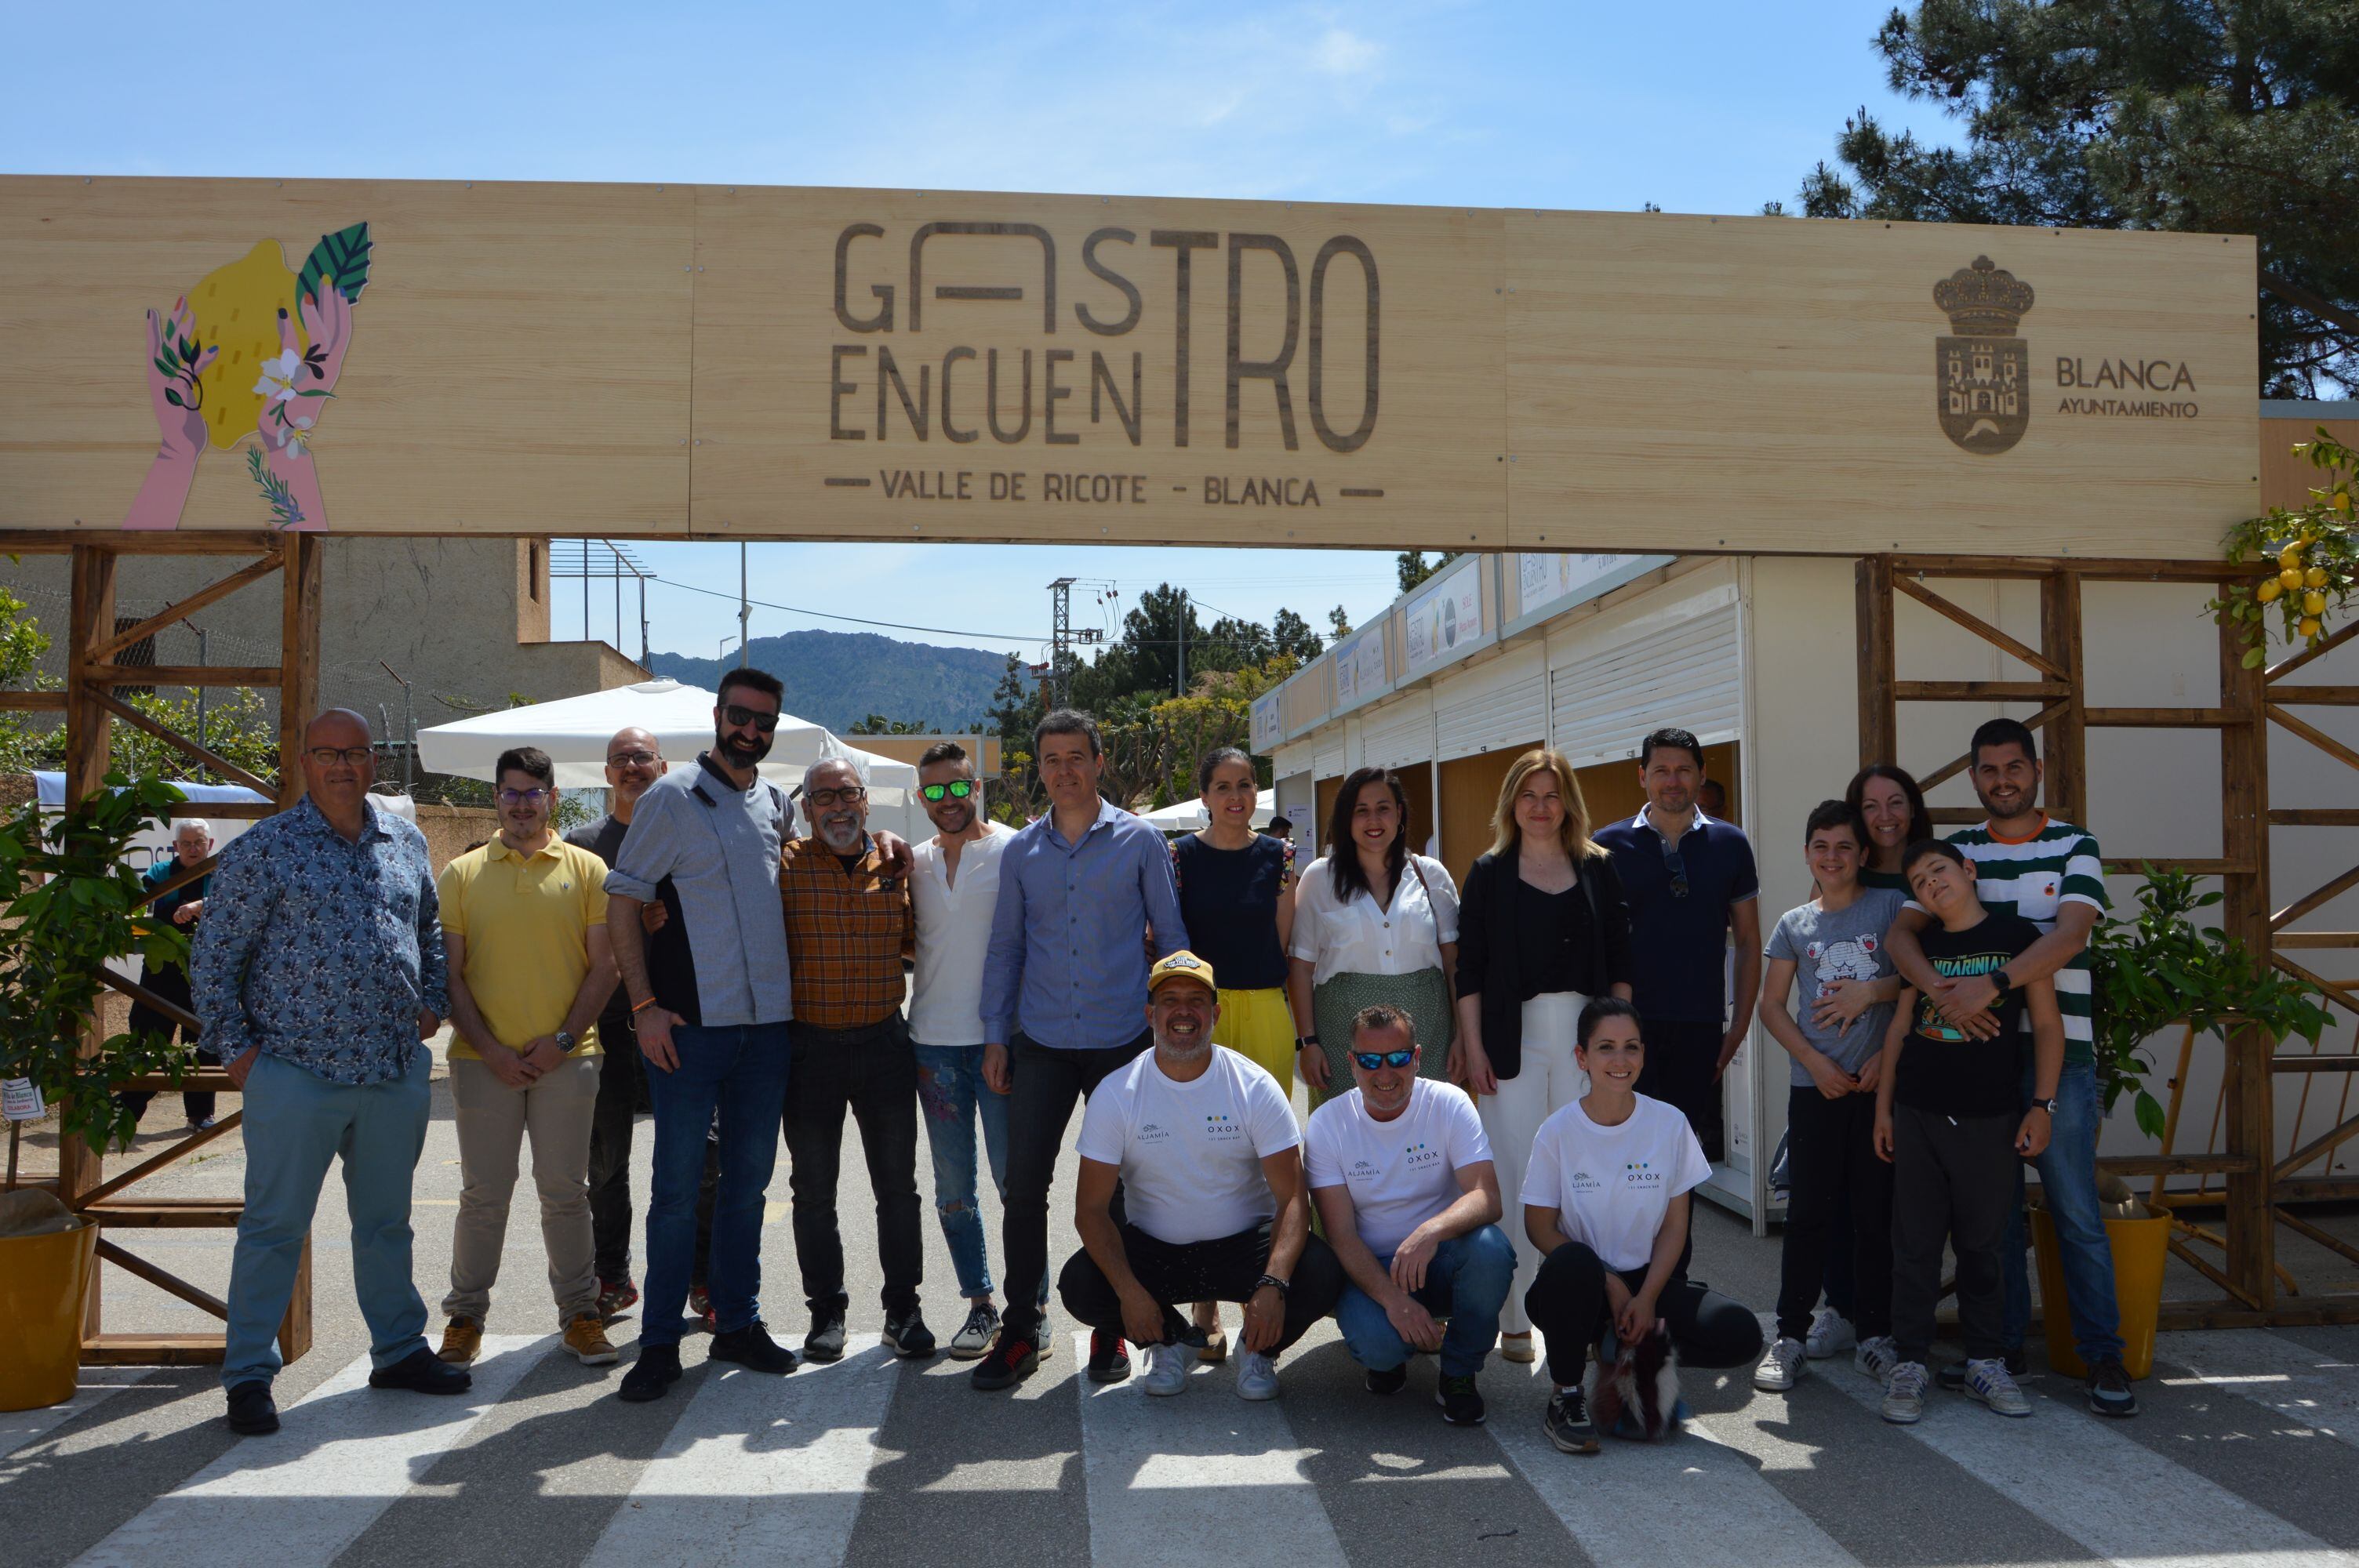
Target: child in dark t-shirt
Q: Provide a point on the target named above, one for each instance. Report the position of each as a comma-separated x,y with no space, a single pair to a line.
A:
1946,1117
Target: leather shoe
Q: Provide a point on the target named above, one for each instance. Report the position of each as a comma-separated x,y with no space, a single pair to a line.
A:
753,1348
422,1372
651,1376
251,1411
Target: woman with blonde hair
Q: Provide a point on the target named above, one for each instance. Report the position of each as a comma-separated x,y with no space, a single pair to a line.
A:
1544,929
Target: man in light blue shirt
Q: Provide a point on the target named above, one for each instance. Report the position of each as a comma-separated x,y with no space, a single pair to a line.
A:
1082,894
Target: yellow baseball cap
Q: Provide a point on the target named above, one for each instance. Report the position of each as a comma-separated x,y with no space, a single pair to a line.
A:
1181,966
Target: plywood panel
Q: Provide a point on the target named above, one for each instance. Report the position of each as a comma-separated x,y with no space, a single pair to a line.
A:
798,420
519,361
1697,384
2286,479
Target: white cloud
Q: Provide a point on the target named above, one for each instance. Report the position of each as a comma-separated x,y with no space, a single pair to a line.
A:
1341,53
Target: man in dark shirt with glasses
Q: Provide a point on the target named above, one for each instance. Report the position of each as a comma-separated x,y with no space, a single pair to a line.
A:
1691,881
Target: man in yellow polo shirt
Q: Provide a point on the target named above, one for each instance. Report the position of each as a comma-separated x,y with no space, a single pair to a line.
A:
524,923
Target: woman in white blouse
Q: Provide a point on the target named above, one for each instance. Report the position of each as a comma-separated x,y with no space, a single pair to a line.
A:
1372,923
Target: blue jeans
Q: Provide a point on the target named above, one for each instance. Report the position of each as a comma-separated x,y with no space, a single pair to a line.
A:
952,1095
741,1070
1467,1283
2068,1176
297,1124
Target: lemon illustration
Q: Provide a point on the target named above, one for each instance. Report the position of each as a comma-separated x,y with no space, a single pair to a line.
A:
238,307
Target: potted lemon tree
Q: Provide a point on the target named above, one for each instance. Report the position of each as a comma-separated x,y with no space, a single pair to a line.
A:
69,904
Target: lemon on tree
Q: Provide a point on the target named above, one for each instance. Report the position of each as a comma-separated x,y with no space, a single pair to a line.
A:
2305,560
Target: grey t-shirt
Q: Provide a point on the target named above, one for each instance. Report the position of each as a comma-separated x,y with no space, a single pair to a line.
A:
1826,945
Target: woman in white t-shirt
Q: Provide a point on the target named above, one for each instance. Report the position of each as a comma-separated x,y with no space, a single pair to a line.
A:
1373,922
1605,1200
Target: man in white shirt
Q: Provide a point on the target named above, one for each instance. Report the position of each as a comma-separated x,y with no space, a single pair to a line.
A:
955,887
1204,1147
1402,1175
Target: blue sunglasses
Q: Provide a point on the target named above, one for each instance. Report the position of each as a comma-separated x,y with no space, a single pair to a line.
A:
1372,1060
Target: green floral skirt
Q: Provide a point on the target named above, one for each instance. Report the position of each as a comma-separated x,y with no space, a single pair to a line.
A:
1424,995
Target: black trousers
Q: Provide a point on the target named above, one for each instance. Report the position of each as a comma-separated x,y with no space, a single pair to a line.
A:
1680,1057
170,982
1954,1179
1047,1082
1223,1268
871,1071
621,1101
1568,1304
1830,1159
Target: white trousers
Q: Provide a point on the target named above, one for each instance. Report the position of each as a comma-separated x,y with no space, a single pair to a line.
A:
1547,1082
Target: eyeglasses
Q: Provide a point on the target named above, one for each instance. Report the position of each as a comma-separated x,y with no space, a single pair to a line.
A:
524,796
957,789
1372,1060
328,756
625,758
738,715
1677,865
850,794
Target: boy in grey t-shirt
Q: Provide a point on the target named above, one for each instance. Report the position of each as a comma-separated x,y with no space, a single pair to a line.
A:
1834,945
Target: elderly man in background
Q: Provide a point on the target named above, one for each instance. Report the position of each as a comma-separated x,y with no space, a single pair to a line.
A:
849,926
192,845
318,971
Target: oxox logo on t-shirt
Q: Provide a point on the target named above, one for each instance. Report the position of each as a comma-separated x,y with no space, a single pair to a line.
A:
1222,1127
1640,1173
1421,1155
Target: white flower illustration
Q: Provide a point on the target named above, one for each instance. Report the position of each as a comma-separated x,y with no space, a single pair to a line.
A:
277,383
295,434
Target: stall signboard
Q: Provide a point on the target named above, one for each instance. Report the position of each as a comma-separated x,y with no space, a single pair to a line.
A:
644,361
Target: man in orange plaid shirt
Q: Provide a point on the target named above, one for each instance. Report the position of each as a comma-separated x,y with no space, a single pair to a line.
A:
849,926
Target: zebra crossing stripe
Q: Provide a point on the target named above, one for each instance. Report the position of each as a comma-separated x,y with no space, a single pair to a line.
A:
1168,1477
2117,1498
760,1469
1704,1501
2311,1389
345,1454
19,1428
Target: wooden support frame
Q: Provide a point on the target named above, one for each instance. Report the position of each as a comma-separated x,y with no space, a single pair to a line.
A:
90,703
2259,1182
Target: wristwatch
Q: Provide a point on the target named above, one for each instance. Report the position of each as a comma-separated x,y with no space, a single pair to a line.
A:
565,1042
1306,1042
1998,977
2047,1105
1273,1282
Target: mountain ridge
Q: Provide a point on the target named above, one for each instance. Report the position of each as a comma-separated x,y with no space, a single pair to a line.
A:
838,678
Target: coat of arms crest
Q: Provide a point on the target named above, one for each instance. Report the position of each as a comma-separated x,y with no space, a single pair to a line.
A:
1982,370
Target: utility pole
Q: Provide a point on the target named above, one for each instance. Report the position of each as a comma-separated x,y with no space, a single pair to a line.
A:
1179,678
1060,601
745,605
410,722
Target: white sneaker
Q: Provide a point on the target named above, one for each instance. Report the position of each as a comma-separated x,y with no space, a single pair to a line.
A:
1167,1370
1256,1377
1830,1334
1781,1364
1988,1381
1904,1393
1876,1357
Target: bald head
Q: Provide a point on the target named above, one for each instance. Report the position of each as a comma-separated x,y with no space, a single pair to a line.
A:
633,761
338,766
349,729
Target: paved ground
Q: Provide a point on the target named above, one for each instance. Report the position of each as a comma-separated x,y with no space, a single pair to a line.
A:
2248,1452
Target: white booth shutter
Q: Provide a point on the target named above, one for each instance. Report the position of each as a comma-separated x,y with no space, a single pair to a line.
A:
1398,740
1328,764
1605,701
1507,706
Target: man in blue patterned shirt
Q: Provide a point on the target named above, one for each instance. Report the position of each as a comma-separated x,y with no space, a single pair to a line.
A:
317,972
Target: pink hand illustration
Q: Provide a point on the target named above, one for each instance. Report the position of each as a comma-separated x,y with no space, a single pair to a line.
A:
175,361
295,388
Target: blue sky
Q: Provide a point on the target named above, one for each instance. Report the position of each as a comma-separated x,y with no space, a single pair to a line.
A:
1710,106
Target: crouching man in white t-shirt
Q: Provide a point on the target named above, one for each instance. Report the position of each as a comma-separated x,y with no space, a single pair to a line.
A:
1402,1175
1203,1146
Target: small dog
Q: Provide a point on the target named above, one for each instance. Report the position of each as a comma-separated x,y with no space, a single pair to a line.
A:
1638,1396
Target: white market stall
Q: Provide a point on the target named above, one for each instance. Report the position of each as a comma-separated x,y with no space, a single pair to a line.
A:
1188,815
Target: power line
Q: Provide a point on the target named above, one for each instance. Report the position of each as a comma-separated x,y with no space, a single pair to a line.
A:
854,620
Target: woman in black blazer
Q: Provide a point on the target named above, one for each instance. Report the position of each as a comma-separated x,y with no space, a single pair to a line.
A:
1543,928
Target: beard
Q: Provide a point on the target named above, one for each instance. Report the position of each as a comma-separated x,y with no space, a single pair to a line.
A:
1178,1050
841,834
740,754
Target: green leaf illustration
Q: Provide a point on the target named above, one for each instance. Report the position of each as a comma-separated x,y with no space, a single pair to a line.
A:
343,255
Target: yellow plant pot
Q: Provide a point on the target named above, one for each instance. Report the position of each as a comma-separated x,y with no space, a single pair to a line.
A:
43,1280
2140,1248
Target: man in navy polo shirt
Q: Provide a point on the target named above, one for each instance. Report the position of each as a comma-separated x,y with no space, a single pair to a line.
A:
1690,881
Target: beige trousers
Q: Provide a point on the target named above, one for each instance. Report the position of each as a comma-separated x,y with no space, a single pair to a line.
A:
493,1122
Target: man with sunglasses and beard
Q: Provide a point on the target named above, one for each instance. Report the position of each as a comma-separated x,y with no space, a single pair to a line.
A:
1691,881
955,888
711,999
1401,1172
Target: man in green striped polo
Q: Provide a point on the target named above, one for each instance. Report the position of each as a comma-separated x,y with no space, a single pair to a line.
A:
2051,873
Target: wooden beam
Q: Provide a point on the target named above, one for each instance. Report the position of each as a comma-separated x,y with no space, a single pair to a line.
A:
2315,736
2326,1142
90,617
184,876
2337,990
2312,1312
2314,816
116,542
34,701
299,659
2159,718
211,593
2312,900
2248,1084
181,675
2318,939
1979,627
181,743
2131,865
2176,1164
167,1155
2316,695
1978,690
2102,569
2203,1265
152,1349
2327,1240
1879,739
2315,652
2299,1064
244,810
146,998
170,1284
1966,760
170,1214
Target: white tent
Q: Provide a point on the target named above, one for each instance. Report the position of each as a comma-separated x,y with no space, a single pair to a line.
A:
574,730
1187,815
